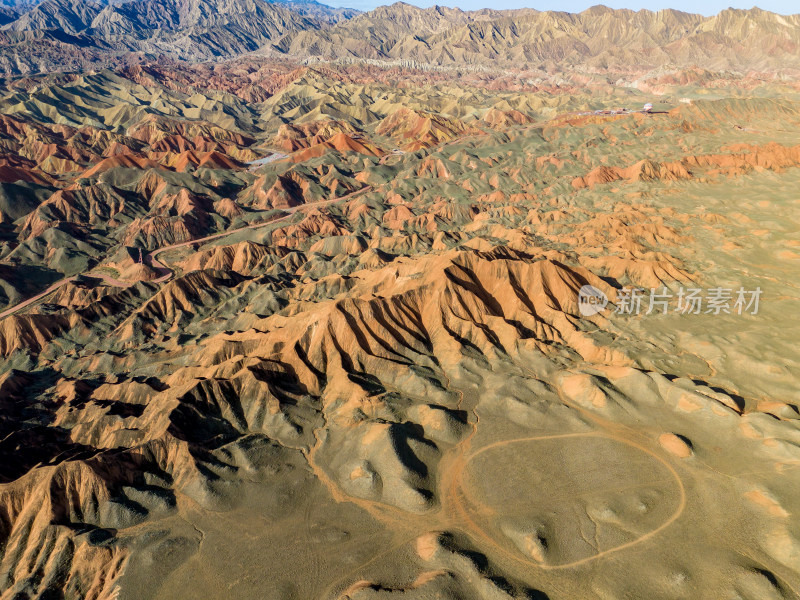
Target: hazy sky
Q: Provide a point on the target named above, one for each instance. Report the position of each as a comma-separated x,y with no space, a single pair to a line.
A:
706,7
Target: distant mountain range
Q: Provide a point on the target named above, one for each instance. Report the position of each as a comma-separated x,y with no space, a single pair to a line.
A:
76,34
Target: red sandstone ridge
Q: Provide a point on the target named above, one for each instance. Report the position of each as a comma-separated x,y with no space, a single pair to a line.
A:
210,160
644,170
419,129
341,142
499,119
743,158
124,161
297,136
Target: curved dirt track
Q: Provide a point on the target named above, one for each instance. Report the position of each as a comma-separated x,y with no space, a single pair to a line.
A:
532,563
160,266
452,512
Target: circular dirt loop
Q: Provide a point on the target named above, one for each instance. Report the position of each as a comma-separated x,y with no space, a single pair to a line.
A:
563,500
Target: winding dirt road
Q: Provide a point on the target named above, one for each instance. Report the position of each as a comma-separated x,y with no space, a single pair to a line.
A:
167,273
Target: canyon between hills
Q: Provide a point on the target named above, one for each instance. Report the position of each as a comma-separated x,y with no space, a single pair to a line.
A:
293,303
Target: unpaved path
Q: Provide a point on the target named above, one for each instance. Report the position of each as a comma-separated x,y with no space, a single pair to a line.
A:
167,273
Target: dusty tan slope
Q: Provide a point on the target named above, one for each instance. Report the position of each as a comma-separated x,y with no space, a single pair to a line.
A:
597,37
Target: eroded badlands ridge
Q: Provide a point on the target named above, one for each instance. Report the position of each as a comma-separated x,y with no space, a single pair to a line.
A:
320,338
598,44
